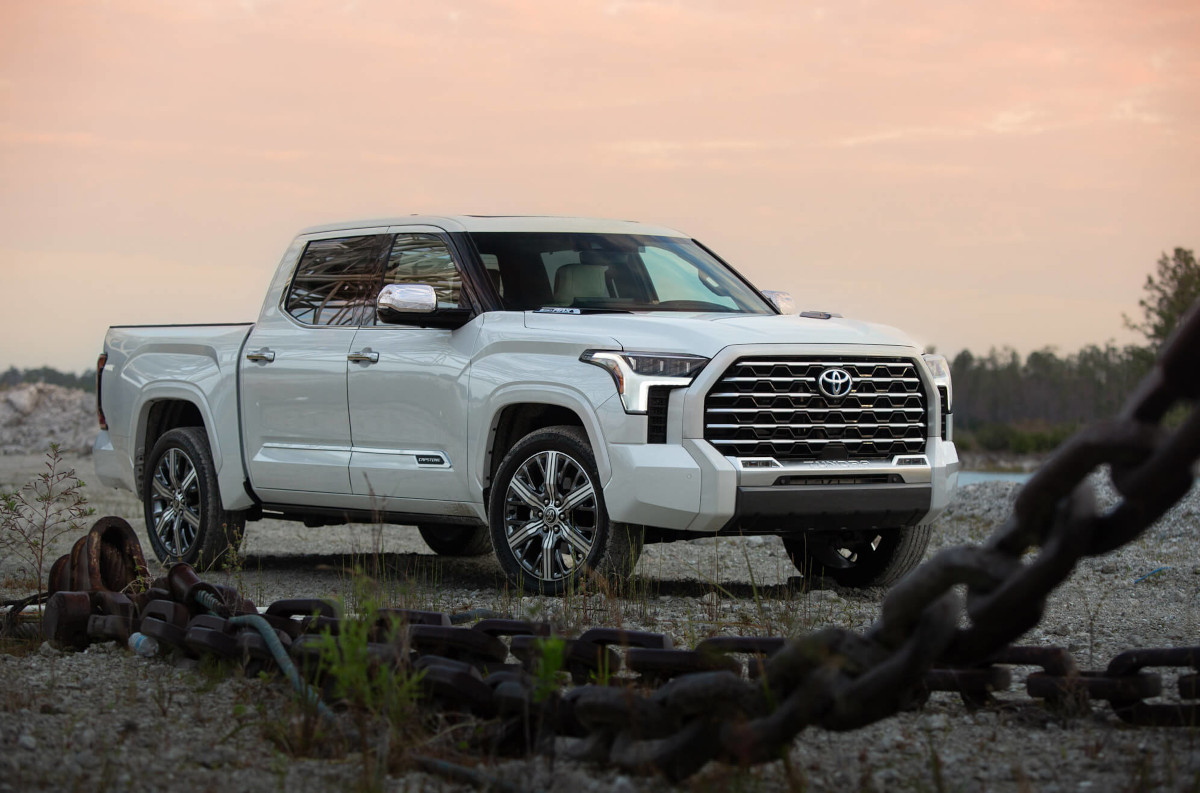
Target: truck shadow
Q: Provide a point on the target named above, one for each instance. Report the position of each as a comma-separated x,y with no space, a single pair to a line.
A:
482,572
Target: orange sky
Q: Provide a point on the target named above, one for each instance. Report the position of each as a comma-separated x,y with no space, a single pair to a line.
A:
978,174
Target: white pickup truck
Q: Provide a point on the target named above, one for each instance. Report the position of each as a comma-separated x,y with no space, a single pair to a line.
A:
559,389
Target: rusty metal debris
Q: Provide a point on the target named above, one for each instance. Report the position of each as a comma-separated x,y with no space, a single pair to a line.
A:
712,705
106,559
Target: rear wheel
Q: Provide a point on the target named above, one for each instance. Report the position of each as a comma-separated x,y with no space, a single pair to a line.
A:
548,520
881,559
182,501
448,540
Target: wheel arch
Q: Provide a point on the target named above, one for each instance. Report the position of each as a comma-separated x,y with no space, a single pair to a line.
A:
520,414
173,405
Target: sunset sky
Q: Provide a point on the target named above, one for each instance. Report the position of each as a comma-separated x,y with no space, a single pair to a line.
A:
978,174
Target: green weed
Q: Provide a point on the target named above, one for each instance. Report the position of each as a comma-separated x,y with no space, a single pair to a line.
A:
35,517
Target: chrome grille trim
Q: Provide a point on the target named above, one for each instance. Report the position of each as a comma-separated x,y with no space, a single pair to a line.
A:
768,407
813,410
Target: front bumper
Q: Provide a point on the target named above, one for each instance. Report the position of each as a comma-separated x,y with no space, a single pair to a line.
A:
688,485
692,487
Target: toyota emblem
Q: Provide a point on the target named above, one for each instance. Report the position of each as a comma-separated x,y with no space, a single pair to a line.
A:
834,383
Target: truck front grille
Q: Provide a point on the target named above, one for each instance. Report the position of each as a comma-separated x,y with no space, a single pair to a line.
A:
767,406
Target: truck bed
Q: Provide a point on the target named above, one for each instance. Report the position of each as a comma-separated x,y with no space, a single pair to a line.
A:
148,364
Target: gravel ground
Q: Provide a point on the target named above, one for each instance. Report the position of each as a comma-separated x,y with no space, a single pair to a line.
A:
106,719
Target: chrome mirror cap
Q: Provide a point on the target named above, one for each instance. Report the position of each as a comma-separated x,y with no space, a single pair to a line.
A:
782,301
407,299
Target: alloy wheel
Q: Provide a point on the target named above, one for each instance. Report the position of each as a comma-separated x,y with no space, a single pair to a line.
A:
175,502
550,515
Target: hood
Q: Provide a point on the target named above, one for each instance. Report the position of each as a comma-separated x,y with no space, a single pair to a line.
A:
707,333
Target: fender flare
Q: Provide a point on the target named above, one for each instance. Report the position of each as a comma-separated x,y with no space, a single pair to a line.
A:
537,394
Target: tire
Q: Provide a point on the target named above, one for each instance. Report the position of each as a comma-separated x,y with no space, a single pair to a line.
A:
880,562
447,540
184,517
550,554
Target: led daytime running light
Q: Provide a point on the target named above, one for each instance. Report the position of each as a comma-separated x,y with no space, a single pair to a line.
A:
634,373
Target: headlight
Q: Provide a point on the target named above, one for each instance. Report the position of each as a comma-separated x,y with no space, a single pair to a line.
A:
939,367
635,372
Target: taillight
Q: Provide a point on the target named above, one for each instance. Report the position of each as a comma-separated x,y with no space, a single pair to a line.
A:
99,375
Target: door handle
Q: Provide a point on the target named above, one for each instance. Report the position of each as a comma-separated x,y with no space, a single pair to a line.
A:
262,356
363,356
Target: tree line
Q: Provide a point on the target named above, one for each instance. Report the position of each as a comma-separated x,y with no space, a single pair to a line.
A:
48,374
1003,402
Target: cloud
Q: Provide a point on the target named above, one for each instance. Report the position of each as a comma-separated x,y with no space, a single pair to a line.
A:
1014,121
905,133
1004,122
1131,110
75,140
660,147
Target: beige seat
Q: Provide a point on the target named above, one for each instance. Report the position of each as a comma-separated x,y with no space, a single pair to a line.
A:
579,280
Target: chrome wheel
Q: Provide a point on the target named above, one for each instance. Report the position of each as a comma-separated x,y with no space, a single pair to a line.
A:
175,505
550,515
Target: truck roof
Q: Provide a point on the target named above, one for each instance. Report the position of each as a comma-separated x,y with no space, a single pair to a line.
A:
507,223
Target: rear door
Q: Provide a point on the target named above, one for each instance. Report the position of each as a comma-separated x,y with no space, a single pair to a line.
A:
407,388
296,419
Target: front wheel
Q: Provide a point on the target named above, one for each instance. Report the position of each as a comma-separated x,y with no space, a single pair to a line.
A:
880,559
547,515
184,516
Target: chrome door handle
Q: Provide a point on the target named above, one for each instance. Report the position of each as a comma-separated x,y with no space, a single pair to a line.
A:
363,356
263,356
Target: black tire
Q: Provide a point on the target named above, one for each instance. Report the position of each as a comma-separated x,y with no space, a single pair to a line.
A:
582,537
880,562
449,540
184,519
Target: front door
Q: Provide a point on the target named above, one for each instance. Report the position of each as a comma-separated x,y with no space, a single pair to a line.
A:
407,390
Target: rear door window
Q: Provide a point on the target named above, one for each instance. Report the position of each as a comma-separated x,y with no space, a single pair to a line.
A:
336,281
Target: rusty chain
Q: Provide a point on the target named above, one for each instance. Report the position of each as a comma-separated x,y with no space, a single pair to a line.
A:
710,707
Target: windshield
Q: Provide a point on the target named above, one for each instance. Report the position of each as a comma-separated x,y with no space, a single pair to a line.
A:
624,272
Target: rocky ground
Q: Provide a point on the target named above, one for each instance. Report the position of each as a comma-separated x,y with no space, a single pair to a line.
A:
106,719
34,415
1007,462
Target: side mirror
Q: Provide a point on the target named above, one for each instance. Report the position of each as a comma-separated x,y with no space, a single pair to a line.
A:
406,299
416,304
782,301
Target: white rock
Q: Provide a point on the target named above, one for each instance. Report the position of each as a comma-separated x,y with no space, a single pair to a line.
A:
23,399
